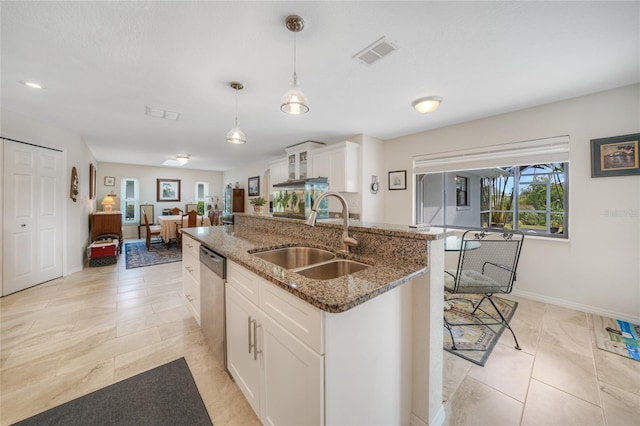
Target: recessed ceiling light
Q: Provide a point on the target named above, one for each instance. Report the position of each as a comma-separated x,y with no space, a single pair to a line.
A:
180,160
427,105
31,84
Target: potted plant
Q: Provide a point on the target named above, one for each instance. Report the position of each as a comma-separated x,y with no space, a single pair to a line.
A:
257,204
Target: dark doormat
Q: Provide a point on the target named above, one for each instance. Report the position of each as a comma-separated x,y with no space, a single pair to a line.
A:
166,395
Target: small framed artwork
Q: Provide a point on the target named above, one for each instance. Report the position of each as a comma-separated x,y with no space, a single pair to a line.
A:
615,156
92,181
254,186
168,190
109,181
398,180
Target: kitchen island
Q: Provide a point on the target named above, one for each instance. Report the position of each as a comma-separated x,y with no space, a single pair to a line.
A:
377,358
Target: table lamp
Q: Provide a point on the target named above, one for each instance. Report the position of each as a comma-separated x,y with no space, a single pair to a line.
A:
108,202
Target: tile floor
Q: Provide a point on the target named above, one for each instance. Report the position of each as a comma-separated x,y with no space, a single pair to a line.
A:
76,334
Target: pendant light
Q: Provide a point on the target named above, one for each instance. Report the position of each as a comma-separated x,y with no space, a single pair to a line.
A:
236,135
294,102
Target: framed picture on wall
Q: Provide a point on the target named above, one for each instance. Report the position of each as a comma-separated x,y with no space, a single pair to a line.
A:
168,190
109,181
398,180
254,186
615,156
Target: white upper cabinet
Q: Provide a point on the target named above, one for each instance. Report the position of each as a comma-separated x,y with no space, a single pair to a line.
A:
278,171
338,163
298,160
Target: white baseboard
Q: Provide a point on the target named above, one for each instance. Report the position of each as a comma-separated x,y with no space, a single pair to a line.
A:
576,306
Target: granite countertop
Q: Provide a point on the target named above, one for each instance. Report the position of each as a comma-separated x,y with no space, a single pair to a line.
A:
335,295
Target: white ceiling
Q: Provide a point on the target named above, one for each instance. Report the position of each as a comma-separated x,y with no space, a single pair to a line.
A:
102,63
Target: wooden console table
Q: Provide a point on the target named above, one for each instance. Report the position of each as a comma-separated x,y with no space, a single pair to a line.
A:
107,224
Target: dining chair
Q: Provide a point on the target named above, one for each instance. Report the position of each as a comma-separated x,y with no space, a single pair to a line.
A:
486,266
176,211
151,230
191,222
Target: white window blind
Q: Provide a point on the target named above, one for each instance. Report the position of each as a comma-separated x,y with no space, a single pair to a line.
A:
538,151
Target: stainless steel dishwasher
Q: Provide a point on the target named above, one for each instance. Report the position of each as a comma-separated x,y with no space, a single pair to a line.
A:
213,274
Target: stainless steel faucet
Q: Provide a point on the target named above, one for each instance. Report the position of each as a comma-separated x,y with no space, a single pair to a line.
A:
347,241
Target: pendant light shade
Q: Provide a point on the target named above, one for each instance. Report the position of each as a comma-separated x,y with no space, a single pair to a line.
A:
236,135
294,101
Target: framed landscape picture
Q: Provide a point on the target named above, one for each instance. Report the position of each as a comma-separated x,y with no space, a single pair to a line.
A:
254,186
168,190
109,181
615,156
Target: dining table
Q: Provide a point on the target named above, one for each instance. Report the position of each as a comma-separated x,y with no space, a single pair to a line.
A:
169,230
454,243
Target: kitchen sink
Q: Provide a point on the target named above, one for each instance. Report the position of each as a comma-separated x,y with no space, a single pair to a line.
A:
295,257
333,269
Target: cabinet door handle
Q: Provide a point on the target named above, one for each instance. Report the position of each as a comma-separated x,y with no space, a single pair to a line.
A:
249,321
255,340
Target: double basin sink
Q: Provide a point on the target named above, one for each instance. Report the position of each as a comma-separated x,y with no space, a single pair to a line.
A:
311,262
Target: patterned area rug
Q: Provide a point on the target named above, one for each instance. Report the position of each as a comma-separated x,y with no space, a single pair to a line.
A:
617,336
475,342
138,255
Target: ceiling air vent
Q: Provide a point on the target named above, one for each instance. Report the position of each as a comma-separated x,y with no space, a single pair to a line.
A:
375,51
161,113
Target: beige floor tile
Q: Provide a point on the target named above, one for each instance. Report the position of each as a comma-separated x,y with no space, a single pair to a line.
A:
547,405
91,355
454,371
42,395
56,347
564,360
475,403
565,315
527,324
621,408
507,370
157,354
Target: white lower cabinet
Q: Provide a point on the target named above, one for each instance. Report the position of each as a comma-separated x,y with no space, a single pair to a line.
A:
279,374
242,363
298,365
191,275
292,379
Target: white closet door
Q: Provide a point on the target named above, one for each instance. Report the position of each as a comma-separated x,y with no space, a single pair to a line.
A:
33,201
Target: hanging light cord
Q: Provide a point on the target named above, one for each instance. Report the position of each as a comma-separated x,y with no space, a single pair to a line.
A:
236,120
295,76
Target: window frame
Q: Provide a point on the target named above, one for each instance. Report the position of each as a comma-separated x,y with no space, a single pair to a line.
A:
124,201
514,212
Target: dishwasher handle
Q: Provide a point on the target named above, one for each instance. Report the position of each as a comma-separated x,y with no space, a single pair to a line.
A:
213,261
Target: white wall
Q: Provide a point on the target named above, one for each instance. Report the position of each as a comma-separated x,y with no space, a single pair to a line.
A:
597,268
243,173
371,164
147,177
76,222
